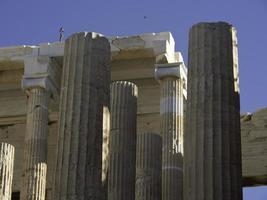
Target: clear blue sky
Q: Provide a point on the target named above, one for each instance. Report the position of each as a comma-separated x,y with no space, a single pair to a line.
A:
34,22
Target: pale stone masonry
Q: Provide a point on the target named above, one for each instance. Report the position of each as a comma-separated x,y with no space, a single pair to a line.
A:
172,79
84,94
7,152
38,82
148,166
254,143
122,146
212,138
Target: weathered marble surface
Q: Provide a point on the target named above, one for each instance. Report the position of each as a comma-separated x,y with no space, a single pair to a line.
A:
254,147
7,152
122,144
172,79
148,166
84,93
212,153
35,154
135,63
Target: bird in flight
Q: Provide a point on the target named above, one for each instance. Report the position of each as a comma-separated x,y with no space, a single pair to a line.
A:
61,34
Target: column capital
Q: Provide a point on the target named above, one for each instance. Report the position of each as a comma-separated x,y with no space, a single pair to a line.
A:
177,70
43,72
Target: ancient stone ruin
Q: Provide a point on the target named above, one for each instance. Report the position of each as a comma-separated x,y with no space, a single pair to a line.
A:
212,155
123,118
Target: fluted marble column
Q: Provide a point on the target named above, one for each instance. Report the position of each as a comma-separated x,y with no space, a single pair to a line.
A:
37,82
6,170
122,152
172,78
148,166
34,183
104,97
84,94
212,139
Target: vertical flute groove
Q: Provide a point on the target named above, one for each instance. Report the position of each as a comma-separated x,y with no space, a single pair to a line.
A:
122,151
84,94
7,152
212,139
148,166
35,166
172,134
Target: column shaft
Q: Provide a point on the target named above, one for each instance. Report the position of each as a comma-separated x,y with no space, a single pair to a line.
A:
148,166
105,99
6,170
35,167
85,90
212,139
122,155
171,105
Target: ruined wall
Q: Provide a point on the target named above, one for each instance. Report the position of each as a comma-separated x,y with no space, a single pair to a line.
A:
254,147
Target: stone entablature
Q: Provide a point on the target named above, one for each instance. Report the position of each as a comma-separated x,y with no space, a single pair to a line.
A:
158,45
43,72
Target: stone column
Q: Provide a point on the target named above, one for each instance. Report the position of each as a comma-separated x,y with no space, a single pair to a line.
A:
39,84
84,94
172,78
6,170
104,97
122,155
212,139
148,166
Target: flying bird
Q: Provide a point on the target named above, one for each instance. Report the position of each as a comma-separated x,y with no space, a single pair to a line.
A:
61,34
